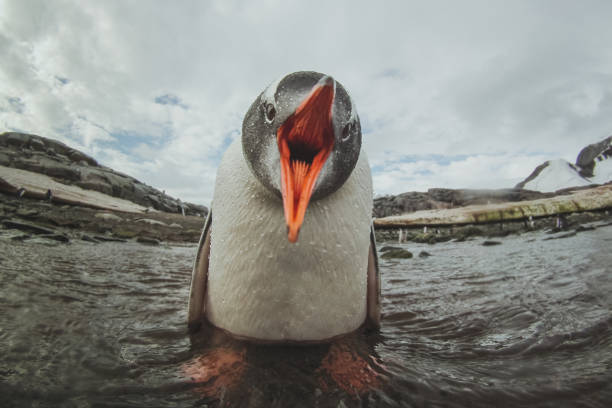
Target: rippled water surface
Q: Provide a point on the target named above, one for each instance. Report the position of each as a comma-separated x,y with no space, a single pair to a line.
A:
525,323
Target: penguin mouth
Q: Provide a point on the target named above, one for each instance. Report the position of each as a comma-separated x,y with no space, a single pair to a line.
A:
305,141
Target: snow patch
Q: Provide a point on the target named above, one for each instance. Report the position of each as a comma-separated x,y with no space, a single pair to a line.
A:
559,174
602,173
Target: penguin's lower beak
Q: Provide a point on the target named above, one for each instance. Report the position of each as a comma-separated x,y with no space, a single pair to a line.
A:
305,141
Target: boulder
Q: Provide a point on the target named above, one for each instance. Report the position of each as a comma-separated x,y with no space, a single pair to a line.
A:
387,248
396,253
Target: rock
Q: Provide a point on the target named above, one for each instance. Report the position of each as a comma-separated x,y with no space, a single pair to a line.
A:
109,217
586,158
152,222
43,240
69,166
580,200
20,237
425,238
108,239
424,254
440,198
467,232
5,159
387,248
566,235
56,237
397,253
125,231
37,144
148,241
35,229
491,243
26,212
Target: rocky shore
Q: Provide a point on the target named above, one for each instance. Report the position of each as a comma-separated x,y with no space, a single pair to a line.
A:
70,167
52,193
566,211
444,198
33,220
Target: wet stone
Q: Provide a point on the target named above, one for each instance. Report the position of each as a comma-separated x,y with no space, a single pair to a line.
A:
35,229
148,241
397,253
56,237
561,236
108,239
26,212
387,248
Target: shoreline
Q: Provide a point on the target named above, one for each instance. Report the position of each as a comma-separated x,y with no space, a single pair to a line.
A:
28,219
558,213
58,220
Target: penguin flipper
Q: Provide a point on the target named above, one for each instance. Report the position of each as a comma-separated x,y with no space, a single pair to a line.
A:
199,279
373,316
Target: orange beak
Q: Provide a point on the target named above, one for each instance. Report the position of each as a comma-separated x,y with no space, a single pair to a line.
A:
305,141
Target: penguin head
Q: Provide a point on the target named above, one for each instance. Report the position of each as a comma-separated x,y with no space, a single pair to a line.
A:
301,139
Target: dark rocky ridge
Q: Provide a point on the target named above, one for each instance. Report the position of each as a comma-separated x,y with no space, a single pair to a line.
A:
70,166
586,158
33,220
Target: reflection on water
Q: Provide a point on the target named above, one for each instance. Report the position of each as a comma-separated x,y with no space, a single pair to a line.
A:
525,323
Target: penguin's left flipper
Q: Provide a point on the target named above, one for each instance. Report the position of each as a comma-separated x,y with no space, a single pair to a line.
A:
199,279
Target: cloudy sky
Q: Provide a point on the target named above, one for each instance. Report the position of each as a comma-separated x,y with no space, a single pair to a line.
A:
459,94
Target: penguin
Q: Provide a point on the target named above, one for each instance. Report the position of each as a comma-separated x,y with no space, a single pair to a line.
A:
287,253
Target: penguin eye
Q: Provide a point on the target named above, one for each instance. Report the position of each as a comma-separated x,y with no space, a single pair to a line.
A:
346,131
270,112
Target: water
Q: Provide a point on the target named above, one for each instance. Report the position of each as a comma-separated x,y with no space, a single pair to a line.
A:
525,323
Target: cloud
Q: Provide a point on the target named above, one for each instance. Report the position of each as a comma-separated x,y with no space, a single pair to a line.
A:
169,99
456,95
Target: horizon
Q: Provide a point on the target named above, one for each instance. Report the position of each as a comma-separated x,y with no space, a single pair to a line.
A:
471,95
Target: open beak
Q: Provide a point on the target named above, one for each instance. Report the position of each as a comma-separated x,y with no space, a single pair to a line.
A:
305,141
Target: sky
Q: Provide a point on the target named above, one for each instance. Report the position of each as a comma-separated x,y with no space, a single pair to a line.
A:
455,94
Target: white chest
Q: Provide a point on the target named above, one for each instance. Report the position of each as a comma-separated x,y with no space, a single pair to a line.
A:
260,285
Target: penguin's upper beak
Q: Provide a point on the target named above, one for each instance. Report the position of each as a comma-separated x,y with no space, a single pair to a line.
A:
305,141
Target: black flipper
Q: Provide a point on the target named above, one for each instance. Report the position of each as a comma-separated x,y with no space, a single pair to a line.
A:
373,306
199,279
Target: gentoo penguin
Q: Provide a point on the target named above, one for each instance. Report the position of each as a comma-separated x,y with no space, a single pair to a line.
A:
287,253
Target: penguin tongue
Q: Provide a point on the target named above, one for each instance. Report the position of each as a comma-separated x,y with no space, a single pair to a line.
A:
305,141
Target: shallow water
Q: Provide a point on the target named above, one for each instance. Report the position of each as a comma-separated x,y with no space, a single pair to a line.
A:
525,323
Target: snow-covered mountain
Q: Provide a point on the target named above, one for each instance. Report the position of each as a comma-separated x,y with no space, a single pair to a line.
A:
555,175
593,166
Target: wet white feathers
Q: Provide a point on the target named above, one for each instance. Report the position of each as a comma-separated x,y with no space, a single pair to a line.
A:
262,286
